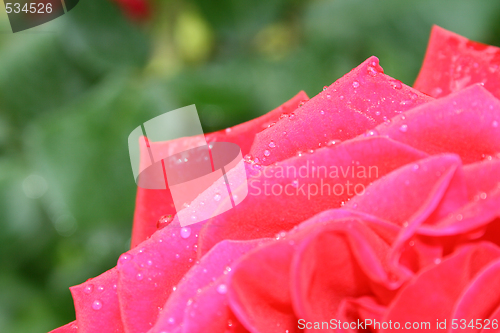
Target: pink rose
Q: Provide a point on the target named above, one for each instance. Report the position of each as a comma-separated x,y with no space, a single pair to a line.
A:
408,232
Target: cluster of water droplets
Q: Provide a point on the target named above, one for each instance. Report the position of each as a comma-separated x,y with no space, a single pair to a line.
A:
89,290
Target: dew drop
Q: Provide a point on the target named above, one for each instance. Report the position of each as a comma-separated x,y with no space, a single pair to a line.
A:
217,197
403,128
372,132
322,112
185,232
325,87
228,130
371,71
124,258
333,142
355,84
139,276
267,153
171,320
100,289
164,221
295,183
436,91
437,261
222,289
88,289
291,116
97,305
396,84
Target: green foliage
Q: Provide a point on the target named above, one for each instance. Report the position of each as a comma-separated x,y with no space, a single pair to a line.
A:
71,91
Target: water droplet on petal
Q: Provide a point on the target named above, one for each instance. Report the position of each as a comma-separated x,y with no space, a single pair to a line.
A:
185,232
222,289
88,289
139,276
217,197
333,142
171,320
228,129
164,221
372,132
436,91
97,305
437,261
396,84
355,84
295,183
325,87
403,128
322,112
267,152
291,116
124,258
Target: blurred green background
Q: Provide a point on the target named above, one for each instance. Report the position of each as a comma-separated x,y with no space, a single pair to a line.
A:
73,89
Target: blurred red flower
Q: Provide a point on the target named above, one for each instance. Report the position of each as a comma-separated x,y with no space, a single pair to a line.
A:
137,10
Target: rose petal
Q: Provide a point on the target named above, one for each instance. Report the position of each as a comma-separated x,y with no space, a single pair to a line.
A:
355,103
259,290
433,294
470,217
415,191
339,261
358,310
244,134
68,328
462,123
148,272
151,205
261,215
210,312
96,302
213,265
481,297
453,62
482,178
